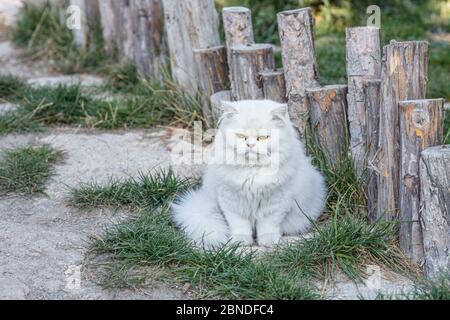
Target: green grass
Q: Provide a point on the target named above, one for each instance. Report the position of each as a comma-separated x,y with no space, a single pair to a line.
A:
151,241
25,170
344,243
438,289
345,188
230,273
123,77
147,191
182,108
144,105
60,105
14,122
11,88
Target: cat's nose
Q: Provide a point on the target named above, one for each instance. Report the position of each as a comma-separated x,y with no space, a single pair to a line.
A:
251,145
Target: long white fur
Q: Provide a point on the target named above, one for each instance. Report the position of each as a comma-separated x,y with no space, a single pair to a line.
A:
238,201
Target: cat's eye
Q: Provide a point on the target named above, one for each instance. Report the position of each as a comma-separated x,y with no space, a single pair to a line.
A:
263,138
241,136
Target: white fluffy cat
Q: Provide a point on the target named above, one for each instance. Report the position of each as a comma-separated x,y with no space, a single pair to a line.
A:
259,186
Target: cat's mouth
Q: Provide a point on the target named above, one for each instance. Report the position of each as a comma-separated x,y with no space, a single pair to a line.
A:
252,153
257,153
255,156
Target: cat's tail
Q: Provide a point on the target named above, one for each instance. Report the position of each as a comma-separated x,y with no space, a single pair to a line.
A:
198,215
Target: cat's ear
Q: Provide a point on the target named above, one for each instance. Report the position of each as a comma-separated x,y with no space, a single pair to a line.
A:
281,114
227,111
227,107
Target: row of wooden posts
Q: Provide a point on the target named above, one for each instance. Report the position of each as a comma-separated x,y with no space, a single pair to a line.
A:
381,116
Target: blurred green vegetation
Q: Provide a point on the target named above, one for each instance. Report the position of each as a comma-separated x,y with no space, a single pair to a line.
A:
40,30
400,20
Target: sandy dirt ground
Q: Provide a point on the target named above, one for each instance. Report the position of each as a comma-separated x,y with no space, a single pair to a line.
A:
43,240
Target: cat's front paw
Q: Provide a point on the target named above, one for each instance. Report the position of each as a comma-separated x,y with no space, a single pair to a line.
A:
243,239
268,239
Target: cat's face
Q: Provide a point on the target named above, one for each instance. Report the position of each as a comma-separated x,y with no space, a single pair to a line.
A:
254,130
252,143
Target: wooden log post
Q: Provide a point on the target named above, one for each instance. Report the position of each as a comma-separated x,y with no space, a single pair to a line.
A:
274,85
299,61
124,24
238,27
327,109
147,36
404,77
435,208
109,26
93,21
371,91
247,62
363,62
189,24
421,126
132,31
212,70
216,103
117,26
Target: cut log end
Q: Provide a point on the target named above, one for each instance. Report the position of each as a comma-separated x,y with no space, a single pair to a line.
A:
307,11
229,10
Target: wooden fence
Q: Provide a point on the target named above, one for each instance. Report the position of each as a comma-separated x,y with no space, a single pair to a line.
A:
381,116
